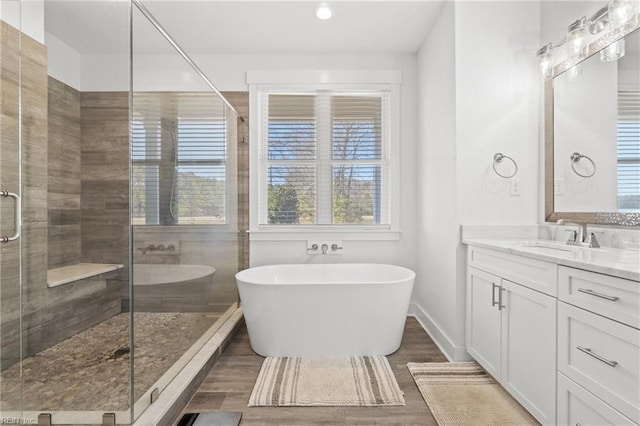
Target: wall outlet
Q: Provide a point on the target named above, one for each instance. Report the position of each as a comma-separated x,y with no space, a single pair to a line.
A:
515,188
558,187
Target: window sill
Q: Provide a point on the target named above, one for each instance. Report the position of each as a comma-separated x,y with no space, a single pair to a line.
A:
329,233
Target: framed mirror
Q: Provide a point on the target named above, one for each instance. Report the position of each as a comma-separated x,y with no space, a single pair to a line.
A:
592,134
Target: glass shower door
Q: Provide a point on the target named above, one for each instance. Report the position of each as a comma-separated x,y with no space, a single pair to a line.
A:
59,326
184,213
10,213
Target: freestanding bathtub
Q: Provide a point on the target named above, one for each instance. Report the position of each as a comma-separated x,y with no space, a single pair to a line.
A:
325,310
172,288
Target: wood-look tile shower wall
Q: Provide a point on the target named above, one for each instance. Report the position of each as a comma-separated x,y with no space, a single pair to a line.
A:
34,316
75,191
34,195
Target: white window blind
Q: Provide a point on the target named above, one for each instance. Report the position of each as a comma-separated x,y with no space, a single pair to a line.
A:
326,158
179,151
629,151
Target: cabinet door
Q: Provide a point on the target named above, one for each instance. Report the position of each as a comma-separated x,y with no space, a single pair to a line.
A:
483,320
528,369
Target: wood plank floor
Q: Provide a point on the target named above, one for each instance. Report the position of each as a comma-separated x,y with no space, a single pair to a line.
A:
229,384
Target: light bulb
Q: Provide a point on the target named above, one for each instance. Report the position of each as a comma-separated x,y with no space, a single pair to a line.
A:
323,11
622,12
613,52
545,56
576,40
574,72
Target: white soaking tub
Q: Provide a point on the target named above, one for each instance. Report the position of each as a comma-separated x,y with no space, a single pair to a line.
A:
173,288
325,310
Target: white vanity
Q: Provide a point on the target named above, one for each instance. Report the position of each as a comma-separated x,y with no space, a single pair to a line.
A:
558,327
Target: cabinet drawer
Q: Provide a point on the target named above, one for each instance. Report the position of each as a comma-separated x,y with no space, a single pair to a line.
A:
576,406
601,355
532,273
615,298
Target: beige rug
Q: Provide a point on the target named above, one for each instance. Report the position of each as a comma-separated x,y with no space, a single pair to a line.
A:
326,381
464,394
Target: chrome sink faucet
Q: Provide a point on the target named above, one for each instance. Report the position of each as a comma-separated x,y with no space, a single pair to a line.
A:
581,237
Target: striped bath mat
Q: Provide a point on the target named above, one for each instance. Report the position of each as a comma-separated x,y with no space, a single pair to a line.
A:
326,381
464,394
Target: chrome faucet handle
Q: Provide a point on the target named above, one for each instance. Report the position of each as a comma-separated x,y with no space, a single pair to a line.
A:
592,241
335,247
573,236
314,247
582,228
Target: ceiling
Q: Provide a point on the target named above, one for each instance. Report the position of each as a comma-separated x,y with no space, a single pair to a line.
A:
223,27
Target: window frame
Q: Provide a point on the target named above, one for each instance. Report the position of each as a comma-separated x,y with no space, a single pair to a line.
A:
230,167
353,82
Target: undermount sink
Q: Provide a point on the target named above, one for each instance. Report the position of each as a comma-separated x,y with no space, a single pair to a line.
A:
549,245
557,246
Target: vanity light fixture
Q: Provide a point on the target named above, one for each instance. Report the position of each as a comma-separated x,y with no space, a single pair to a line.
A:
613,52
574,72
577,39
622,12
545,56
618,15
323,12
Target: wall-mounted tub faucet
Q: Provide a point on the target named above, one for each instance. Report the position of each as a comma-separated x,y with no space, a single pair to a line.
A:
159,247
327,247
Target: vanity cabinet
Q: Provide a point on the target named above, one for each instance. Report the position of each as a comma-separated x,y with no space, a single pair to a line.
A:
511,332
598,347
563,341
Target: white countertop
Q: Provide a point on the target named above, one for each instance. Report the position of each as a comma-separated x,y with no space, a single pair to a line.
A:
623,263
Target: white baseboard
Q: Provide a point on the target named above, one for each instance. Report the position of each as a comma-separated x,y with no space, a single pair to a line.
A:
453,352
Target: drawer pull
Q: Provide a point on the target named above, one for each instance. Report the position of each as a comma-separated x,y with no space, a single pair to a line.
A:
493,294
596,356
600,295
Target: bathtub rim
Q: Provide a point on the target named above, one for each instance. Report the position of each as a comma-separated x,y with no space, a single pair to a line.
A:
411,275
211,271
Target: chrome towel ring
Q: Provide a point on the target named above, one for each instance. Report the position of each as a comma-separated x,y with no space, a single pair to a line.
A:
497,158
575,158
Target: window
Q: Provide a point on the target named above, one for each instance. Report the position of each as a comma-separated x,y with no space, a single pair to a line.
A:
180,160
325,158
629,151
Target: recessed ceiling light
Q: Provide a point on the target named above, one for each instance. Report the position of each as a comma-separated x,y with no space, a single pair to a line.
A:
323,11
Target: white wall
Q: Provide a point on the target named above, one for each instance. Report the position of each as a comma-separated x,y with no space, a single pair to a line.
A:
226,71
585,121
479,91
27,15
63,62
497,98
439,305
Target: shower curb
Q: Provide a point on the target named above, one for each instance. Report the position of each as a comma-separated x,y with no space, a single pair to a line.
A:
166,410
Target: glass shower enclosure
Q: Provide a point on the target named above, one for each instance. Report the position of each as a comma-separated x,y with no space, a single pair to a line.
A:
118,212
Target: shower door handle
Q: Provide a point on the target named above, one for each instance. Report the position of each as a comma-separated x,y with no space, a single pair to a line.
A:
17,216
